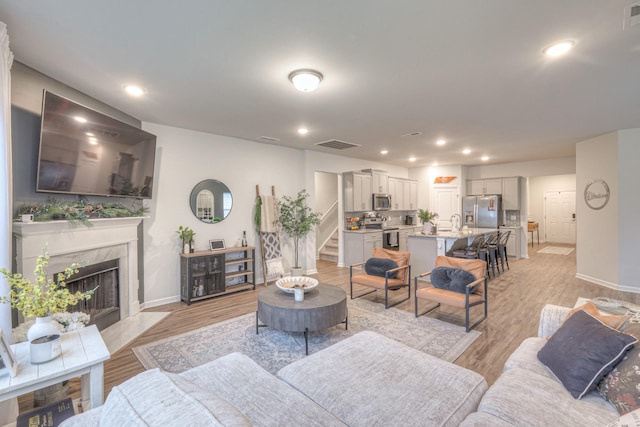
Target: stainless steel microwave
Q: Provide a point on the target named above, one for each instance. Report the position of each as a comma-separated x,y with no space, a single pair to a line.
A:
381,201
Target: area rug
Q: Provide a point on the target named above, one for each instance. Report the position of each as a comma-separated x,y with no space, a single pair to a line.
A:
556,250
273,349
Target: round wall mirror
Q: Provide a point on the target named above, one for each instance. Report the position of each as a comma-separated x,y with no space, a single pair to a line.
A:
211,201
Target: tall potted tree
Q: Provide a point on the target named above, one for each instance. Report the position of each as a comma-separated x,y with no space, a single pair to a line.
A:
297,219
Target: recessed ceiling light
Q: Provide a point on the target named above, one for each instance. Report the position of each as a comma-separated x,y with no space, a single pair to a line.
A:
134,90
384,152
89,133
434,164
441,142
484,158
412,159
305,80
93,141
558,49
80,119
466,151
303,131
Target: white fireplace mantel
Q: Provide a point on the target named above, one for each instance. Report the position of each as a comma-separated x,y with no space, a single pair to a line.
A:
105,239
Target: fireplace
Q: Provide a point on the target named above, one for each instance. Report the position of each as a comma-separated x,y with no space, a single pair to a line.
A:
106,240
104,305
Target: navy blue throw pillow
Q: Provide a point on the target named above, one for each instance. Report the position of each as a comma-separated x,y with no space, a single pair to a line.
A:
379,266
583,351
453,279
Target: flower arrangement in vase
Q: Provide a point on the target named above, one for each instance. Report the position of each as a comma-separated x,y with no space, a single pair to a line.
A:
43,297
427,217
186,235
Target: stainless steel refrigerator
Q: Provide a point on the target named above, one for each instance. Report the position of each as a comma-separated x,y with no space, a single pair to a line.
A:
482,211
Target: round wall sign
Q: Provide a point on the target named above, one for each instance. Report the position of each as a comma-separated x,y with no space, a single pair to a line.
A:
596,194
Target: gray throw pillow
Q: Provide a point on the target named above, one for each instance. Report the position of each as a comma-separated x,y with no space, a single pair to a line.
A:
379,266
583,351
453,279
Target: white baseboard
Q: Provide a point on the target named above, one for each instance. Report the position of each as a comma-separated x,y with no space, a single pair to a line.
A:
607,284
158,302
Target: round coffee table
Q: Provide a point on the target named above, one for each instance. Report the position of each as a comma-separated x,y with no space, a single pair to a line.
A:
323,307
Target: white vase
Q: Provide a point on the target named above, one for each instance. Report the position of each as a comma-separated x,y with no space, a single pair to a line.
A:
44,326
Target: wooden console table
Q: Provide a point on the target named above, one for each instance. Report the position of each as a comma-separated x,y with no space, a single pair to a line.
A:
83,355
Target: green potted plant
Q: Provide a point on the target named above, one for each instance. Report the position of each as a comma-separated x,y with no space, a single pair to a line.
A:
297,220
427,219
186,235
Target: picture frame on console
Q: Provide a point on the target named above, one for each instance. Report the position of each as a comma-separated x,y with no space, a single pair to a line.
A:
216,244
8,358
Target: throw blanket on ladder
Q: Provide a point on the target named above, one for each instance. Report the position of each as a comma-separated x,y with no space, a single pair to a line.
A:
270,237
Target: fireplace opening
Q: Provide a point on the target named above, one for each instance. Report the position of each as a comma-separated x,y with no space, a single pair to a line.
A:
104,305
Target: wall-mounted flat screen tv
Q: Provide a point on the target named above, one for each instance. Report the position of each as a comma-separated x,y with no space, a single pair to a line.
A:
85,152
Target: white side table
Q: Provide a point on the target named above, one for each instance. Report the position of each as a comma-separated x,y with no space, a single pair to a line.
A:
83,355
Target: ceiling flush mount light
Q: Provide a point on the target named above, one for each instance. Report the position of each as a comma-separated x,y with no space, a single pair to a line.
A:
134,90
441,142
558,49
303,131
305,80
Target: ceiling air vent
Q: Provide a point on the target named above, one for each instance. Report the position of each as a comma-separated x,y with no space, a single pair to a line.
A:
269,138
631,15
336,144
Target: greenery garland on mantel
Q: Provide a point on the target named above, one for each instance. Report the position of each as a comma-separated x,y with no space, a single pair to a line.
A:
79,211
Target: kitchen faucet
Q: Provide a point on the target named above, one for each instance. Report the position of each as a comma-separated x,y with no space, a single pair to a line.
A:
455,222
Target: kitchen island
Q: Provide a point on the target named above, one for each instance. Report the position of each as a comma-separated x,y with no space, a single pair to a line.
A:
424,248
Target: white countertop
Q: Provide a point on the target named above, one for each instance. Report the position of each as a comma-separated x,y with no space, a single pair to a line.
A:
471,232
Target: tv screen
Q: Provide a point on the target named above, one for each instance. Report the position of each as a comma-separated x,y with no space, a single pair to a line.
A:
88,153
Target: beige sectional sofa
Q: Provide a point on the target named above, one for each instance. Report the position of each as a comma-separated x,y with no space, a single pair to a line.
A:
528,394
365,380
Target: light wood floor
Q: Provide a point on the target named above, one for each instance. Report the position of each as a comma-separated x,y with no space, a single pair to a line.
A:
515,300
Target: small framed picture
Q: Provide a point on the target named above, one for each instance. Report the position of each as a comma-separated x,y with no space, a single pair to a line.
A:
8,358
216,244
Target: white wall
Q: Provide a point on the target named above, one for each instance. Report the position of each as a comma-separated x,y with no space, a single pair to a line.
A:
326,186
425,176
598,230
629,208
537,187
183,159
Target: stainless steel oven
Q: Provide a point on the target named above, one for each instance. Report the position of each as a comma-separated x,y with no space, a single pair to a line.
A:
391,239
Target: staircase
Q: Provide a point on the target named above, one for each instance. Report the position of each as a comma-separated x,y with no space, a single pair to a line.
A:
329,252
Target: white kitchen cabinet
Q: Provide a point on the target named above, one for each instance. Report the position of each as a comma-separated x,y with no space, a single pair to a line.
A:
404,194
380,182
403,237
357,191
358,246
479,187
413,196
511,193
395,191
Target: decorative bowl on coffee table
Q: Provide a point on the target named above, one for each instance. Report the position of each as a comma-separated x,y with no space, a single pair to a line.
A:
287,284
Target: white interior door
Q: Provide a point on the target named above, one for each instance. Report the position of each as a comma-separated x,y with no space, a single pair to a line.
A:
445,203
560,221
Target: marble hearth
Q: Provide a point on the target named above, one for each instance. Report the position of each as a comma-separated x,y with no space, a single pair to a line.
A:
104,240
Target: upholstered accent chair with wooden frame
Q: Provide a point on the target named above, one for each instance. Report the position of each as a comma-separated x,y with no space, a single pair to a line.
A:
475,292
387,282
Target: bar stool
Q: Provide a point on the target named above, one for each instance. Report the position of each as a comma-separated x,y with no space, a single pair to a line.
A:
489,253
502,248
